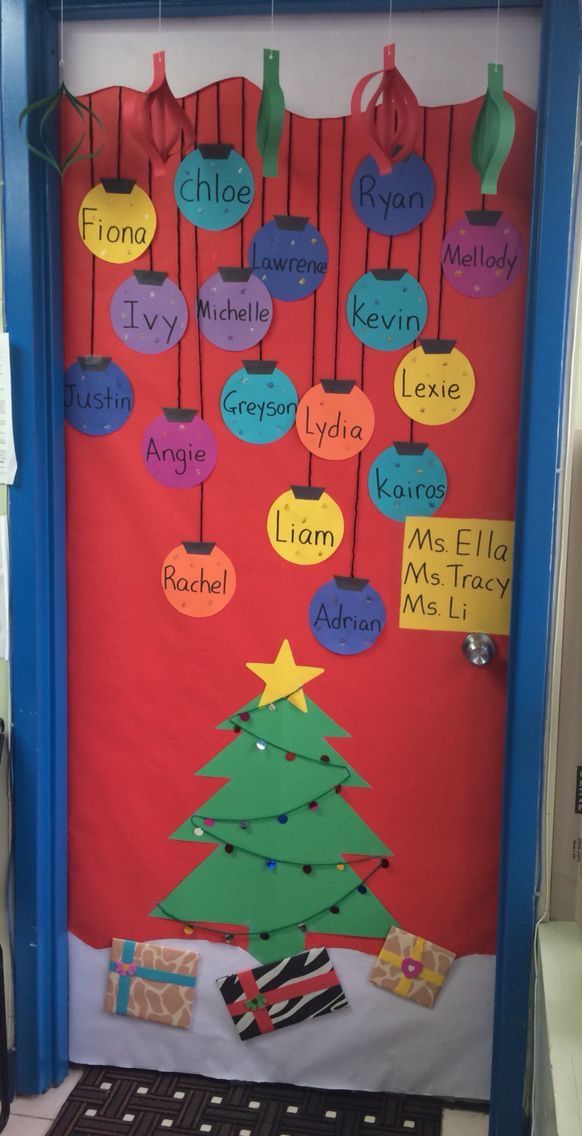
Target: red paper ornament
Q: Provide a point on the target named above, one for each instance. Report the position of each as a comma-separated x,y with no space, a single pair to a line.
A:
157,121
390,118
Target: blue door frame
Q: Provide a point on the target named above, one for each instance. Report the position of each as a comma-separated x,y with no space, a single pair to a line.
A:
29,69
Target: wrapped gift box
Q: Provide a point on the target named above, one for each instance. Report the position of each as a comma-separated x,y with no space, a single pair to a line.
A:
149,981
282,993
412,967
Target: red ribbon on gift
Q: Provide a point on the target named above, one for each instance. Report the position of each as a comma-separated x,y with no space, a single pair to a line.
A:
251,990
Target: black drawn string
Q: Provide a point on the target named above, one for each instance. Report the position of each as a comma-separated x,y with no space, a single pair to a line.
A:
445,215
198,335
179,254
289,164
150,191
218,124
418,263
119,119
263,185
359,460
243,140
93,259
314,321
339,244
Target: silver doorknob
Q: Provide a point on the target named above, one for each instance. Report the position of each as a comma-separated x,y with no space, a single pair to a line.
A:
478,648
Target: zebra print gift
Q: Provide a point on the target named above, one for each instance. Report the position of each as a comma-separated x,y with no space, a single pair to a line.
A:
282,993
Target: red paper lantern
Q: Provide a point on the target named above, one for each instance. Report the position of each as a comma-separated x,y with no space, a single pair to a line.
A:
390,118
158,120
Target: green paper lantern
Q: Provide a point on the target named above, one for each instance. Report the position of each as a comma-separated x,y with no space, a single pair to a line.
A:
493,132
271,114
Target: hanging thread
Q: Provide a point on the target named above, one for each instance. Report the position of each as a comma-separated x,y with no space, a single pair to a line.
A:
497,18
62,42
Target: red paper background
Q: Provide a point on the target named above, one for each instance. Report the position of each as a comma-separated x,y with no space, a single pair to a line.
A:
147,685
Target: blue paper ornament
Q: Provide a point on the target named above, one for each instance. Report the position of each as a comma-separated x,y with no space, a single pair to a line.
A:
396,202
407,480
98,395
290,256
346,615
214,186
386,308
258,402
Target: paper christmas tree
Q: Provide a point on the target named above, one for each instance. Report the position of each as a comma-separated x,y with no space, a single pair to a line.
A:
282,826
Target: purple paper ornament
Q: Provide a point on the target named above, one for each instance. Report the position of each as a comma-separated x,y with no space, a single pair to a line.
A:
234,309
179,448
482,254
149,312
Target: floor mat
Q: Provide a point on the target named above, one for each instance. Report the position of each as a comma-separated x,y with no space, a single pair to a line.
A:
131,1102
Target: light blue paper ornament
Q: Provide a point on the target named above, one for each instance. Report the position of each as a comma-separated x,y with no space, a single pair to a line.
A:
407,480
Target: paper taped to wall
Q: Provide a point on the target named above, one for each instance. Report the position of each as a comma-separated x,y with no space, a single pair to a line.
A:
7,451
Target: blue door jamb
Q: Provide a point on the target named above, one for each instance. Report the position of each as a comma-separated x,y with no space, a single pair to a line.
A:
29,70
540,452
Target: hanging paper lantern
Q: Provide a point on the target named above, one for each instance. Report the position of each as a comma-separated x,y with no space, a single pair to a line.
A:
179,448
435,382
389,120
407,480
259,402
85,117
214,186
271,114
117,220
346,615
482,253
335,419
386,308
494,131
305,525
149,312
157,121
98,395
198,579
234,309
290,256
396,202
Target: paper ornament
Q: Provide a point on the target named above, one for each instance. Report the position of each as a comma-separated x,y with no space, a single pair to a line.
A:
39,114
386,308
98,395
117,220
281,994
284,678
395,202
148,312
407,480
335,419
412,967
258,402
157,121
198,579
271,114
305,525
214,186
435,382
290,256
234,309
493,132
389,120
346,615
179,448
482,254
151,982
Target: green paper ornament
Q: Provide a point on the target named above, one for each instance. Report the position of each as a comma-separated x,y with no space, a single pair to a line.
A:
493,132
271,114
46,108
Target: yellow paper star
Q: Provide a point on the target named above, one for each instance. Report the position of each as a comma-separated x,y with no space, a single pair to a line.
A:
284,678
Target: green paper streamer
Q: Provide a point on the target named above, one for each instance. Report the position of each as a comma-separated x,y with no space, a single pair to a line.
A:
494,131
48,106
271,114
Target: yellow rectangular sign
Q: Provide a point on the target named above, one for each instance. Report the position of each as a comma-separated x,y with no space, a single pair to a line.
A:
456,575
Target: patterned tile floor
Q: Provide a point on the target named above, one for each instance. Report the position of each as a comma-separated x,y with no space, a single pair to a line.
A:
33,1116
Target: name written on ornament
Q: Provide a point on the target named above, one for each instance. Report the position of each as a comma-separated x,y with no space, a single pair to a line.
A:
213,190
247,313
96,229
339,426
478,257
287,532
239,407
386,203
103,399
341,622
360,316
456,574
286,263
198,581
131,316
179,457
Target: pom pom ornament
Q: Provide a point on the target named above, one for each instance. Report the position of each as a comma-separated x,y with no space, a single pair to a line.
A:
50,106
158,120
271,114
494,131
389,120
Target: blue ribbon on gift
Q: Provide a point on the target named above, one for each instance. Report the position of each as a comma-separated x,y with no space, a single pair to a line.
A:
147,972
